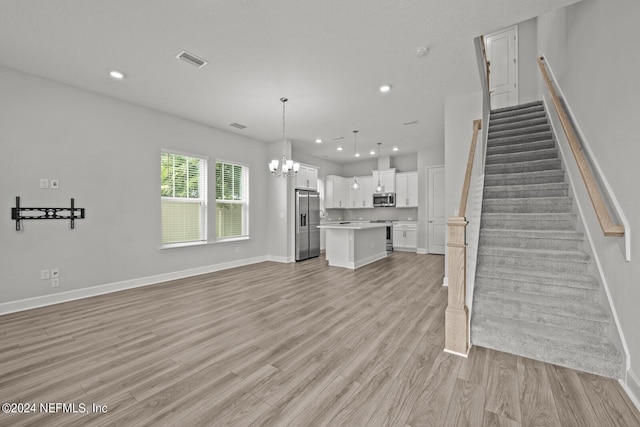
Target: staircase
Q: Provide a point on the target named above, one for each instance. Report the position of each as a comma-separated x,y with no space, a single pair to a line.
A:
536,291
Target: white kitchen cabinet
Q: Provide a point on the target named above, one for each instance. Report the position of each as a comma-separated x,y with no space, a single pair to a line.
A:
307,178
336,195
407,190
363,196
387,180
405,237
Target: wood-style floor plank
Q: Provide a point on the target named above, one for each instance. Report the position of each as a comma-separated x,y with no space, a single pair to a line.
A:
275,344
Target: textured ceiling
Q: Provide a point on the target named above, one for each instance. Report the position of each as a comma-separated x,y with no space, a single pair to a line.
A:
327,56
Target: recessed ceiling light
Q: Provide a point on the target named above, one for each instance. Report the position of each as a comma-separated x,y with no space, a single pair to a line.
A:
318,141
339,148
372,152
118,75
385,88
395,148
357,154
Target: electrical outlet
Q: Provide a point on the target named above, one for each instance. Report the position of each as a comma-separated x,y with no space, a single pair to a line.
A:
55,273
55,283
44,183
55,184
44,274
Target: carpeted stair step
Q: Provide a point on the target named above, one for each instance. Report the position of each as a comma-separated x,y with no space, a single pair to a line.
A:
541,119
553,189
523,118
531,239
582,308
558,261
552,345
524,128
517,107
525,278
524,311
519,110
518,148
549,153
529,221
519,139
528,205
520,167
537,177
586,288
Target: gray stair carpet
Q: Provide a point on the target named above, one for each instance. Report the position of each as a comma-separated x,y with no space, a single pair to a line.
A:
536,292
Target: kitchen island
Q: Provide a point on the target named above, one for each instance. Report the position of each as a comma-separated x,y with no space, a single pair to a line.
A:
353,245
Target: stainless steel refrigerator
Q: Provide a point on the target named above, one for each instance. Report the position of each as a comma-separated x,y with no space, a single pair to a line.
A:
307,222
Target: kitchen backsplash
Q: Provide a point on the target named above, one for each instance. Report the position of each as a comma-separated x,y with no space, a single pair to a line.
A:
395,214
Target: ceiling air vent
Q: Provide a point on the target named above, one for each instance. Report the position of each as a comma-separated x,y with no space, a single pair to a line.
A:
191,59
238,126
338,138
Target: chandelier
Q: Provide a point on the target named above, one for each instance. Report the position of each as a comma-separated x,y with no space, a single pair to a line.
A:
288,166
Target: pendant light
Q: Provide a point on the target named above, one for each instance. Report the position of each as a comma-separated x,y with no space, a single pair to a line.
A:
288,166
379,187
355,185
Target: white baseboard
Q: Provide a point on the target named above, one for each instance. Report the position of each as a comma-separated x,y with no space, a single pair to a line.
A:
422,251
41,301
282,259
445,281
632,387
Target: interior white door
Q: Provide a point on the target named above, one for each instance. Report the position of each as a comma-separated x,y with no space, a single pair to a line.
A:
502,53
437,225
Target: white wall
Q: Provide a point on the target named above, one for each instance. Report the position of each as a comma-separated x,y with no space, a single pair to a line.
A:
527,67
325,167
106,154
459,113
592,47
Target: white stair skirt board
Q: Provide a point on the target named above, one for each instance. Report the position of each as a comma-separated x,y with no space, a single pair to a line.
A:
41,301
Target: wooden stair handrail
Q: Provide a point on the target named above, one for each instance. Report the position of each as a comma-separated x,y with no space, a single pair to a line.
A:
477,125
602,212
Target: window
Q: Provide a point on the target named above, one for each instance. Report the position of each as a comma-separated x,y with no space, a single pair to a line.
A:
232,200
183,191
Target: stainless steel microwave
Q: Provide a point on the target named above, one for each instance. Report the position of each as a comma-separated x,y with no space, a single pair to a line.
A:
384,200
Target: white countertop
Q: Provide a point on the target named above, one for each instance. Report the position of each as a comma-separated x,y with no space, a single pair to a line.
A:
354,225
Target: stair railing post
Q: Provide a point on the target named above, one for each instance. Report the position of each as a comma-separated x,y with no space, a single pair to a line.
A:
457,313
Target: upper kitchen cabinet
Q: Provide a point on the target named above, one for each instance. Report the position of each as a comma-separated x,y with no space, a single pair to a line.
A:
407,190
363,196
387,180
307,178
336,192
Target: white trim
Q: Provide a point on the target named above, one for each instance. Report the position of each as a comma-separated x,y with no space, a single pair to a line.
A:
360,263
596,258
592,158
41,301
632,387
466,356
422,251
445,281
282,259
184,153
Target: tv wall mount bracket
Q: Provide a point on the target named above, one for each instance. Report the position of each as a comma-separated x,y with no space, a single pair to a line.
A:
18,214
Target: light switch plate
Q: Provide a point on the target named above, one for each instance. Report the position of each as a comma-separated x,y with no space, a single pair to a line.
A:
55,184
44,183
44,274
55,273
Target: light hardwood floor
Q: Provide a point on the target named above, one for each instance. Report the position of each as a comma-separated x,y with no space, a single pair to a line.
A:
285,344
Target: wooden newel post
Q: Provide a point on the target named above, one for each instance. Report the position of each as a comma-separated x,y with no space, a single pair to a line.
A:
457,314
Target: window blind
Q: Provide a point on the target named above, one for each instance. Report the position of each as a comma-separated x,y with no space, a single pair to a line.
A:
183,198
232,201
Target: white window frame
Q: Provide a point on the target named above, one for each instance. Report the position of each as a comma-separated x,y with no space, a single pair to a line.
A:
245,201
202,199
